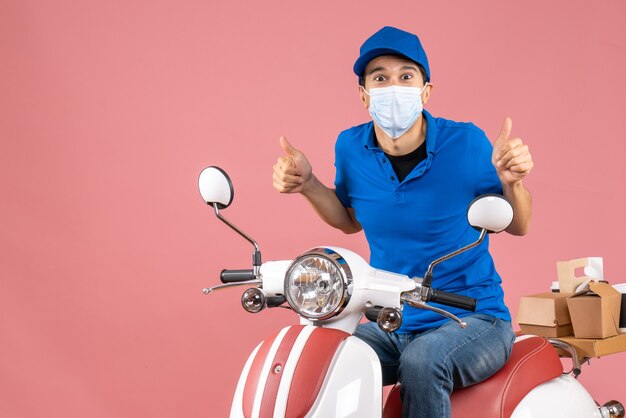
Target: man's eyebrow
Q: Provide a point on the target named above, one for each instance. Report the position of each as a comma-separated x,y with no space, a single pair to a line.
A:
373,70
404,67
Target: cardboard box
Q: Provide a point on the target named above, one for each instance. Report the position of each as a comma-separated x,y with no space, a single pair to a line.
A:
545,314
596,347
567,270
595,313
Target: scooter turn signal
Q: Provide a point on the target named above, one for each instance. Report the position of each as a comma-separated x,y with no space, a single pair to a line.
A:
253,300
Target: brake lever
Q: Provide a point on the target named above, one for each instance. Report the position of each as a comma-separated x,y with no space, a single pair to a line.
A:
406,298
208,290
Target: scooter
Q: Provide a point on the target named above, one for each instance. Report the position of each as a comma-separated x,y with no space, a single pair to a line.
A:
319,369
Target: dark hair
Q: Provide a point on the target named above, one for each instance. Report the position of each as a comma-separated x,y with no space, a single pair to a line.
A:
422,71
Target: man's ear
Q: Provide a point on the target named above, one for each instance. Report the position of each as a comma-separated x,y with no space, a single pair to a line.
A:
365,99
426,93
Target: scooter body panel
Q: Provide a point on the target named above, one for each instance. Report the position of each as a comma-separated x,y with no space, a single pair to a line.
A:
236,408
353,384
348,386
563,397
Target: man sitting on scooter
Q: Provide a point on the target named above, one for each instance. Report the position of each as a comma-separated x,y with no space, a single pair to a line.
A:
406,179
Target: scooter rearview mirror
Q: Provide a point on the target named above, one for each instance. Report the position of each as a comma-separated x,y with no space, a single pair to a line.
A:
487,213
490,212
217,191
215,187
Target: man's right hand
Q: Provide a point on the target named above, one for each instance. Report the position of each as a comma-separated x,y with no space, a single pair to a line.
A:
292,172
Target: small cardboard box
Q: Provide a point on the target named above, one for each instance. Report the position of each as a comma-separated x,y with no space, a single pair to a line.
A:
545,314
589,347
595,313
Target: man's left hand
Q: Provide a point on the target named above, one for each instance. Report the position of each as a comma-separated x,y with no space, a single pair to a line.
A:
510,157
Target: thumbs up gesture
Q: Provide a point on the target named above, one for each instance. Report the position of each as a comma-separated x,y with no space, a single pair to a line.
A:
292,171
510,157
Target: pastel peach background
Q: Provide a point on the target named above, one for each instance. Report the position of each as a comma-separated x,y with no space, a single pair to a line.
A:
110,109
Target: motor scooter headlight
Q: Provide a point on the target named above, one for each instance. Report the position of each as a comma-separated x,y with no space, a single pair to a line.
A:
318,284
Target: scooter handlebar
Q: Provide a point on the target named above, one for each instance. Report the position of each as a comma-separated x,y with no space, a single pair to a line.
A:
235,276
454,300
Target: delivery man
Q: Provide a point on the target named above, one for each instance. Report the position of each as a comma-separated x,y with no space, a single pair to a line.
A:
406,179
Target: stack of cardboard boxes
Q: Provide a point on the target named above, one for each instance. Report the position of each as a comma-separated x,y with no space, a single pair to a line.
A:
584,312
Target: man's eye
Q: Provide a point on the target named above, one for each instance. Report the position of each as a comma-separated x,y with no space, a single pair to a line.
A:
379,78
407,76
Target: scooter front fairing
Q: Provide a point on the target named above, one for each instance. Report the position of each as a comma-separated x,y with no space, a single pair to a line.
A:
307,371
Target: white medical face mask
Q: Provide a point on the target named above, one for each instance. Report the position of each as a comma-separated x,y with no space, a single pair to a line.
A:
395,108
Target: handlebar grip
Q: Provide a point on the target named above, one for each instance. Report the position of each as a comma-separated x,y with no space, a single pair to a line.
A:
454,300
235,276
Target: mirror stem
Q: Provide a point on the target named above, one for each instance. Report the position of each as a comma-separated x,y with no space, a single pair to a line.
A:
428,277
256,256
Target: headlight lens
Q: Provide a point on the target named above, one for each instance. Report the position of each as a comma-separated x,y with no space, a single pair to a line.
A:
318,284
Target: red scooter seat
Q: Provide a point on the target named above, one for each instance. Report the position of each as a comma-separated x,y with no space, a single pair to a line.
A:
533,361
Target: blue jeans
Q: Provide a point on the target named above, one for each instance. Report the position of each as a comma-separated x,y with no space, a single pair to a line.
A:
429,365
